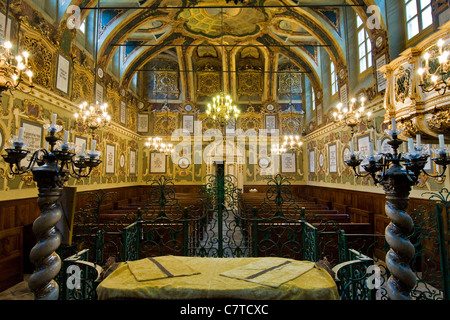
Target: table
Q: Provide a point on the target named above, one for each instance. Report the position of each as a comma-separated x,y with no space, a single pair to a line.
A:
208,283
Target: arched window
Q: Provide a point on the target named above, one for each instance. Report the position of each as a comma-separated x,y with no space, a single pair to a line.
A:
364,46
334,80
418,16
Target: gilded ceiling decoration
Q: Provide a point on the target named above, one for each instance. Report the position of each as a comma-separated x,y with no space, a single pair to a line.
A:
236,22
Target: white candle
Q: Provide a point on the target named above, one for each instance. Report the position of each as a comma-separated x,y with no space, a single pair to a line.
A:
441,142
93,146
418,141
66,136
411,146
21,131
394,125
352,147
54,120
83,149
371,149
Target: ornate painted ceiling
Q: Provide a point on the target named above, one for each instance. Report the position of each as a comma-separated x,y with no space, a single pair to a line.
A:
200,34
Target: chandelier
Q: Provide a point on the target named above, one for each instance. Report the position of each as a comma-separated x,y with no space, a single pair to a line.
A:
14,70
278,149
434,76
353,115
156,144
222,109
93,116
292,143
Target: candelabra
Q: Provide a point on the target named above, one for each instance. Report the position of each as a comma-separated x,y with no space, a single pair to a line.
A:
397,179
352,116
13,69
439,78
156,144
93,116
55,164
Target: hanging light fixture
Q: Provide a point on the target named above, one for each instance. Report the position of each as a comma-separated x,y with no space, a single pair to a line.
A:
278,149
94,115
353,115
14,70
292,141
222,109
438,80
157,144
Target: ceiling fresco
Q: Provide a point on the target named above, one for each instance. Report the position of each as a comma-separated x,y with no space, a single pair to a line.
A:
205,29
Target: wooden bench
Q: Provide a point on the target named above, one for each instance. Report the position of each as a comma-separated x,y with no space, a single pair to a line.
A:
359,215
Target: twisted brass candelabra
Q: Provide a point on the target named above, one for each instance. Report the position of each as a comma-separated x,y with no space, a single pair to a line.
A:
51,168
397,179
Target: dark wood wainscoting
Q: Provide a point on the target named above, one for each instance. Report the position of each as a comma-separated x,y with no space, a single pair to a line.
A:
17,237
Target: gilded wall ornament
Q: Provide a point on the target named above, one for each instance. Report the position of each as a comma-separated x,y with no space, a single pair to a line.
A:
166,82
32,109
165,123
289,83
250,83
208,83
439,121
402,84
42,62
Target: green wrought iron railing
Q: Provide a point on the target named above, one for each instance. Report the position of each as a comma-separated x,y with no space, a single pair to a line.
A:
430,237
78,278
352,277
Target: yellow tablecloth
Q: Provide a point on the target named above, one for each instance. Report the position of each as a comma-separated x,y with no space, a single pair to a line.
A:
208,283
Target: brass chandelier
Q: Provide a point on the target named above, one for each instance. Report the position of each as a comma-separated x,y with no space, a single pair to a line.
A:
156,144
94,115
14,70
292,141
222,109
353,115
434,76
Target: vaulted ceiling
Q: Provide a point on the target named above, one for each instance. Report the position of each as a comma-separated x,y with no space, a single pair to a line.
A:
183,29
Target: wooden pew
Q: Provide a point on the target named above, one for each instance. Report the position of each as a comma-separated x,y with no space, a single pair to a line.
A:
359,215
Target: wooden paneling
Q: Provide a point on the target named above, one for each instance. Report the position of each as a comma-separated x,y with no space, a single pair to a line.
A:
11,251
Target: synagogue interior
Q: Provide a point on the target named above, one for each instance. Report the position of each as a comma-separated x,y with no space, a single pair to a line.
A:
229,149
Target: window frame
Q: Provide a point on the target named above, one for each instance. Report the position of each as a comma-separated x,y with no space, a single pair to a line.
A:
333,78
368,54
423,32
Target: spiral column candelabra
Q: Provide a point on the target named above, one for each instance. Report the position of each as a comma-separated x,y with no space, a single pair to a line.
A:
51,168
397,173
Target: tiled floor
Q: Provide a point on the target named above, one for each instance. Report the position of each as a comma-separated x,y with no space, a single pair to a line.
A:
19,291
